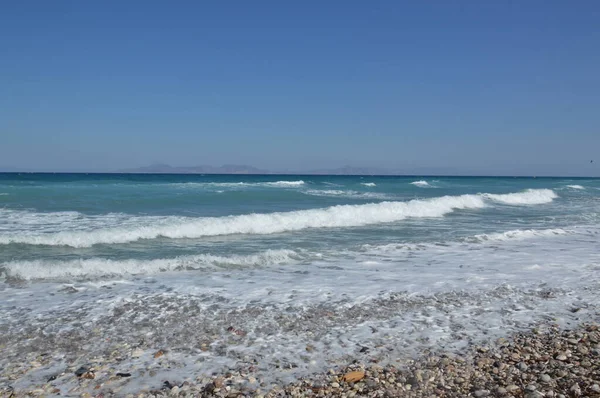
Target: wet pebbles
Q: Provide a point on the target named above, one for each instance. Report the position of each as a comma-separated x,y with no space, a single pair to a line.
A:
547,362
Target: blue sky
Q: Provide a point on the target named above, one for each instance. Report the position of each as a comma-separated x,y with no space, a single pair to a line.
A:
475,86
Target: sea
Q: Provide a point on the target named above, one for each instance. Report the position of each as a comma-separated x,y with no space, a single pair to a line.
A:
283,275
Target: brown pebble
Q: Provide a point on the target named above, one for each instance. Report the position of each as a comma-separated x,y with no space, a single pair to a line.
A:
88,375
353,377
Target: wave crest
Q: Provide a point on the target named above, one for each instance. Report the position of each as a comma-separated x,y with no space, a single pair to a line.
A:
528,197
86,231
99,267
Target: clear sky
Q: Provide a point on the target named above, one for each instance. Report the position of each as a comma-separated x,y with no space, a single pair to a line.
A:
474,86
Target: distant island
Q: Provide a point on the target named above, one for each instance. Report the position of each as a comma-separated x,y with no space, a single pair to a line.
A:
161,168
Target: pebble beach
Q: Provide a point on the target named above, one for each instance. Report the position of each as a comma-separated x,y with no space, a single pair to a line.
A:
545,362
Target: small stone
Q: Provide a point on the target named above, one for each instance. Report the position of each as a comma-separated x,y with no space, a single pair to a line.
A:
218,382
353,377
512,388
595,388
137,353
531,387
545,378
335,385
561,357
481,393
159,354
79,372
575,389
123,374
502,391
534,394
522,366
88,375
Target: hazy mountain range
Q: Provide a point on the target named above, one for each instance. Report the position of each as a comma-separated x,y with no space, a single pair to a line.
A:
245,169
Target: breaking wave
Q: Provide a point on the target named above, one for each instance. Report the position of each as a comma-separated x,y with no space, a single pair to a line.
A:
99,267
421,183
528,197
512,235
78,230
274,184
348,194
575,187
368,184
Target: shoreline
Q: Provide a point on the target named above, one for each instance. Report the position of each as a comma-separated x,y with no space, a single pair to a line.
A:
547,361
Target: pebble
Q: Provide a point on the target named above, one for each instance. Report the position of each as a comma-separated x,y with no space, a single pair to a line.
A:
534,394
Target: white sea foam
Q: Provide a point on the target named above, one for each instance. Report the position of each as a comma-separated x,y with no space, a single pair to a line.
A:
78,230
285,183
528,197
507,236
368,184
270,223
98,267
348,194
518,234
421,183
4,194
575,187
273,184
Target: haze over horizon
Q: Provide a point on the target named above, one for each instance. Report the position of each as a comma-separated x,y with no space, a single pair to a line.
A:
487,89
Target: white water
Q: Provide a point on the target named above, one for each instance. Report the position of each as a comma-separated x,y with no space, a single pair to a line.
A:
99,267
421,183
78,230
575,187
393,302
273,184
529,197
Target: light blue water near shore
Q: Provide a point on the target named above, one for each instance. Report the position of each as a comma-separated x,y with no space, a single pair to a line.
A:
393,263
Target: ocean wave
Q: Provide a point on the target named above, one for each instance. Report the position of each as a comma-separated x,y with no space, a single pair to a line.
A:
528,197
273,184
348,194
575,187
78,230
285,183
517,234
421,183
512,235
99,267
368,184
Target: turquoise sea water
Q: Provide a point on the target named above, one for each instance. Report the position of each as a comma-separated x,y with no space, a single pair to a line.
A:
56,217
392,263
